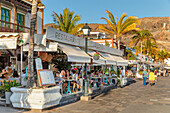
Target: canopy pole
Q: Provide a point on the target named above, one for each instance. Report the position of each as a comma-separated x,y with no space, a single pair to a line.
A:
21,61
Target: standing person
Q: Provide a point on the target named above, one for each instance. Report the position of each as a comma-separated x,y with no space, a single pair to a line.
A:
144,76
151,78
159,73
148,73
166,74
155,73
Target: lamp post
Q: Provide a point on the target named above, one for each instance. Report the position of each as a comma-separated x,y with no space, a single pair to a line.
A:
86,31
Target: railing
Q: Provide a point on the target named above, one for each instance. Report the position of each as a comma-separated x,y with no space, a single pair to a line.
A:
11,27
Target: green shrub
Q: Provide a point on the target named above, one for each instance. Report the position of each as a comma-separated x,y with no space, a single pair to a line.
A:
7,85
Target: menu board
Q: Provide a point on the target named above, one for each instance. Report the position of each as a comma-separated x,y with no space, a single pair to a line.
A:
46,77
38,63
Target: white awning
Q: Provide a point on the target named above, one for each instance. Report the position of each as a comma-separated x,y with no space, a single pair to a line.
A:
101,60
75,54
120,61
167,67
109,59
8,40
146,62
50,47
155,65
39,39
132,61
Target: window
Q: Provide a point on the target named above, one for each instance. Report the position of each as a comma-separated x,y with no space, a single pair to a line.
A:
5,16
20,21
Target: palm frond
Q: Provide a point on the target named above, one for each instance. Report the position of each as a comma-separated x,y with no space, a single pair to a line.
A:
110,15
110,24
106,29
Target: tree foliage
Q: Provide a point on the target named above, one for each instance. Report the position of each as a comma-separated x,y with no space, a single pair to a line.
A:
68,22
120,26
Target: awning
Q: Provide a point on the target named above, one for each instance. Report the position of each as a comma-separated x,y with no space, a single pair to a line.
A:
50,47
8,40
75,54
39,39
132,61
120,61
109,59
101,60
146,62
167,67
155,65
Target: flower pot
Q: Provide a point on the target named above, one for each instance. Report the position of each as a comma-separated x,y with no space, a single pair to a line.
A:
7,97
96,57
40,98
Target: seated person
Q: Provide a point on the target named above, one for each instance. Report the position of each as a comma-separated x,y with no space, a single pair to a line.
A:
3,74
58,79
75,82
67,74
9,69
15,74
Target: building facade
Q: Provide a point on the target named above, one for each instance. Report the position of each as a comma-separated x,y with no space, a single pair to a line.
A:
15,16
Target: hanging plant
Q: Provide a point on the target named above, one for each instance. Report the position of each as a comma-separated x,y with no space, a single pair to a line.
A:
96,56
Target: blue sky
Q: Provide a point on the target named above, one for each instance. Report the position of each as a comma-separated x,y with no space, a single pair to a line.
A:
92,10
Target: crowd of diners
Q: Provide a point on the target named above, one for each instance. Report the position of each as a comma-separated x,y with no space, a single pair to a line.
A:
74,75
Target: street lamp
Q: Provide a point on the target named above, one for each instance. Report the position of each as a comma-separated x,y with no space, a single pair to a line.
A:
86,31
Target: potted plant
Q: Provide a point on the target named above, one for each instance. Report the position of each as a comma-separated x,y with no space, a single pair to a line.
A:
96,56
7,88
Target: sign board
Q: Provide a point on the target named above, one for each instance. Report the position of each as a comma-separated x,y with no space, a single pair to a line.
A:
8,43
46,77
59,36
38,63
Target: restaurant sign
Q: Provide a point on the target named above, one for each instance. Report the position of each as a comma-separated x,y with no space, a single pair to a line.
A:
62,37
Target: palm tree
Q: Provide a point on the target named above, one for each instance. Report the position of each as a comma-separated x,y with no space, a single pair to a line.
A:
162,55
31,78
149,46
67,22
120,26
140,37
154,52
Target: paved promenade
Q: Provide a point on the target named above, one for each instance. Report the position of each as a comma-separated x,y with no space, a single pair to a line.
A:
134,98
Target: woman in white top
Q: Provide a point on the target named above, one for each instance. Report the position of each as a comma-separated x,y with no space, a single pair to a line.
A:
75,82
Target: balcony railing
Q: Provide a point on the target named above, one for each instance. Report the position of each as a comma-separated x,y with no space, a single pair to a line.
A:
11,27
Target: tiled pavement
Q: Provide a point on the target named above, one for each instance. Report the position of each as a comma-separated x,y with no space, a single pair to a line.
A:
134,98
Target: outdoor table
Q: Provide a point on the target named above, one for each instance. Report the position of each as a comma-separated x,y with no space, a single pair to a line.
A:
96,80
68,90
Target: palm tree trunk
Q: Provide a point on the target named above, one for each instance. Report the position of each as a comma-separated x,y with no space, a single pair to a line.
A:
112,41
118,42
141,55
31,78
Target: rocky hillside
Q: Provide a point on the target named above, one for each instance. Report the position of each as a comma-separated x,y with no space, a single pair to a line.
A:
158,26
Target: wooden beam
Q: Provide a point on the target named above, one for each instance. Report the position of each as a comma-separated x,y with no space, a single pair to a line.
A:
20,3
